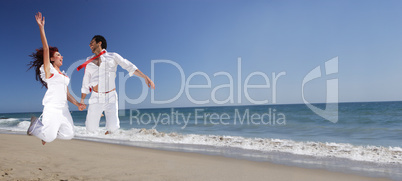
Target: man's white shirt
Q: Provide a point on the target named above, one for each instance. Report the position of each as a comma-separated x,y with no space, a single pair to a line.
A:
104,75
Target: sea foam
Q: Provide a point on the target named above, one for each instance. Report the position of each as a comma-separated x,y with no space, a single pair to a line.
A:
377,154
368,153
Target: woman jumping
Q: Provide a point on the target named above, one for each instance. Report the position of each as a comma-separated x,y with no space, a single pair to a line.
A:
56,118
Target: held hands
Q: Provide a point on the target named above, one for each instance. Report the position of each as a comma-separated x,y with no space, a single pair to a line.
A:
40,20
81,106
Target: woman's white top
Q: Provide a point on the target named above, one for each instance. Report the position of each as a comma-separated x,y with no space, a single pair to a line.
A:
56,94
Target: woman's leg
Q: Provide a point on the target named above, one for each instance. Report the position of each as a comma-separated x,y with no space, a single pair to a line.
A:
66,130
48,132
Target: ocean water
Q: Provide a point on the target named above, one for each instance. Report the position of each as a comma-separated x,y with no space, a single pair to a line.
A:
367,139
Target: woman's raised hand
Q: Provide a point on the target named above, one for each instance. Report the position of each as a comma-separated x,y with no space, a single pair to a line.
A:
40,20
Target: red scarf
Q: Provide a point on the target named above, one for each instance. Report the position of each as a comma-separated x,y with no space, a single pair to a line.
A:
90,60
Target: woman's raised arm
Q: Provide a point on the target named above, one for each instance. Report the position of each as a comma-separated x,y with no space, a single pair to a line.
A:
46,58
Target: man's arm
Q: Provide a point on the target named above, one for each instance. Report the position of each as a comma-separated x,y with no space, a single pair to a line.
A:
132,69
148,81
85,86
125,64
83,98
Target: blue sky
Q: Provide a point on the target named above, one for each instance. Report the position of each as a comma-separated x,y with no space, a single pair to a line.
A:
206,39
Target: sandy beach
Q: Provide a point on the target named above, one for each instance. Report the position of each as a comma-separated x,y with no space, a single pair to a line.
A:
24,158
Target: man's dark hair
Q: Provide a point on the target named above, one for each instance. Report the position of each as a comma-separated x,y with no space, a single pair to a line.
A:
100,38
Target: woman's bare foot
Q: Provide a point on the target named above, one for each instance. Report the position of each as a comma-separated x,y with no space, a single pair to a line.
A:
43,142
33,118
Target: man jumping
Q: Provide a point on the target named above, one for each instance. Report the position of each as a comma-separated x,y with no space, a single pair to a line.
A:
99,77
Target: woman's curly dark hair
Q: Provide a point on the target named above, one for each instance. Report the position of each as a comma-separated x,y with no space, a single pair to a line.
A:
37,62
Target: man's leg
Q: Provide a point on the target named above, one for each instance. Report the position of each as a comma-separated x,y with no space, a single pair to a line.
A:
112,113
93,117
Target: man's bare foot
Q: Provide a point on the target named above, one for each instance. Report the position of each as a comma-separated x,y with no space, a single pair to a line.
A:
43,142
107,132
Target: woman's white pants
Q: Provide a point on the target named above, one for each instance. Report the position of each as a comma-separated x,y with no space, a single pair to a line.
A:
56,123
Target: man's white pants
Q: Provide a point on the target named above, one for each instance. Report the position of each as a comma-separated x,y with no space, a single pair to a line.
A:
56,123
98,103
